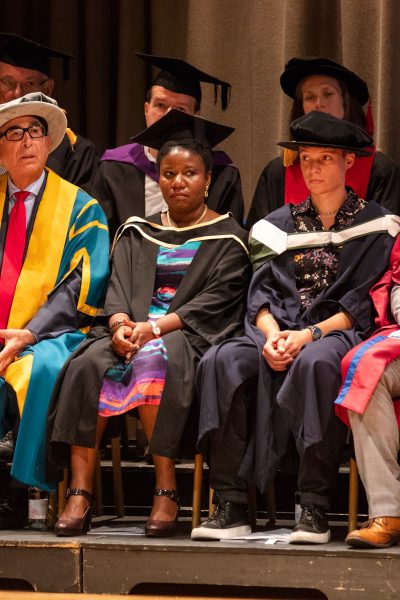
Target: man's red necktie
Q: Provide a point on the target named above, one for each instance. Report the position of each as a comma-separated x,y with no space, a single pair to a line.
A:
13,256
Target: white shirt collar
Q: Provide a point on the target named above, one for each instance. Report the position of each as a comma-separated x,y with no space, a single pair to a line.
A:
148,155
33,188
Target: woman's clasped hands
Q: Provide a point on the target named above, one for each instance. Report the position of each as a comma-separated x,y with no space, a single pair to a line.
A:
130,337
282,347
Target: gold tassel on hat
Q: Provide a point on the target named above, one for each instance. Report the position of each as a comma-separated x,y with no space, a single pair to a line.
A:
289,157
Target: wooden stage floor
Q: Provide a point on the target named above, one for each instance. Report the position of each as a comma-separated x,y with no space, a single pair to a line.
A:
178,567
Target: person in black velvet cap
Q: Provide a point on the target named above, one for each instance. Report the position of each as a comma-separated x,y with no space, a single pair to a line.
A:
325,85
308,304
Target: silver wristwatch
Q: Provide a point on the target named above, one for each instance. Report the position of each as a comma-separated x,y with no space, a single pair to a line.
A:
316,332
155,329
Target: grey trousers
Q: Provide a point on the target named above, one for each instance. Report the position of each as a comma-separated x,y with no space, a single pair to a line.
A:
376,442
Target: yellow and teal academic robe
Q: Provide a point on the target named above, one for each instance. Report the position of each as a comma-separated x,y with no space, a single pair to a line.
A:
69,238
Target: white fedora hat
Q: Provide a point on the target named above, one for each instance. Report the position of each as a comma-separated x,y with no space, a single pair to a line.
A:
38,105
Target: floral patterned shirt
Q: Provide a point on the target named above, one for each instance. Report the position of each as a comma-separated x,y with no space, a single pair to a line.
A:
316,268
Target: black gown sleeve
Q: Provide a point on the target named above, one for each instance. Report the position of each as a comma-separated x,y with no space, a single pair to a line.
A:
225,194
119,291
270,192
59,314
384,183
217,310
120,189
75,163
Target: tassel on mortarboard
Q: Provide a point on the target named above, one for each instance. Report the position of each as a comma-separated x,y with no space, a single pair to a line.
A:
225,94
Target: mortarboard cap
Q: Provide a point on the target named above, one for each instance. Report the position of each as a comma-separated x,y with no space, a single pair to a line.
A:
318,129
21,52
179,126
297,69
180,77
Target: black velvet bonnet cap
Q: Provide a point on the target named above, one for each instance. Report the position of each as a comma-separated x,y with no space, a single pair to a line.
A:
180,77
27,54
318,129
297,69
179,126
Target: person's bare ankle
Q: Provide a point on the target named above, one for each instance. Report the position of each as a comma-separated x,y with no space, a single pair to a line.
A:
164,509
75,507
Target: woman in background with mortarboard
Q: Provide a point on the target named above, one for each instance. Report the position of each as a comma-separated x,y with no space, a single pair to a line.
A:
327,86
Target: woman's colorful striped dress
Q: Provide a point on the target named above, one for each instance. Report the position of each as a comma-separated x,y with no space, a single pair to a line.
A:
126,387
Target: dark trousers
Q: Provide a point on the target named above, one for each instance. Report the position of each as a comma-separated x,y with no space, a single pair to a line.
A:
226,454
319,466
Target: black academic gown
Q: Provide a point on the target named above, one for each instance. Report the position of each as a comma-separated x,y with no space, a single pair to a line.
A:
300,400
75,163
383,187
120,189
209,300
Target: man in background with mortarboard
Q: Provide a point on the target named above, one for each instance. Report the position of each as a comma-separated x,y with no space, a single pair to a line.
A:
25,68
126,182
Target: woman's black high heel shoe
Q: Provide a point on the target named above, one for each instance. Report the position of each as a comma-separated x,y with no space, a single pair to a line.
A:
155,528
78,526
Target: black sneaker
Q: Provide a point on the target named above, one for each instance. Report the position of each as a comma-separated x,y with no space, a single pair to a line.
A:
313,528
228,520
7,447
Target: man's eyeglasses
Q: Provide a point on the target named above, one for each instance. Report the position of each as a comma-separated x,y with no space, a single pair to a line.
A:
8,84
15,134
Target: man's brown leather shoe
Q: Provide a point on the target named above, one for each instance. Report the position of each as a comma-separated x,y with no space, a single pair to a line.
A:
381,532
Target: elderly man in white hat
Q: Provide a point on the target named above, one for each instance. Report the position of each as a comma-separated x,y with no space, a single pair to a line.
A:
53,270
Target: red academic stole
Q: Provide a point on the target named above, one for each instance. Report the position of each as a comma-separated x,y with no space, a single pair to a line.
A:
357,178
13,256
364,365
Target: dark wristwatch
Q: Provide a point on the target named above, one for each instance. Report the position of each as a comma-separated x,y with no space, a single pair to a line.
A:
316,332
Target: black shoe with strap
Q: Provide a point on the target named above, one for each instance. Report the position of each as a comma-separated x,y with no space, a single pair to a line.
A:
157,528
79,525
229,520
13,507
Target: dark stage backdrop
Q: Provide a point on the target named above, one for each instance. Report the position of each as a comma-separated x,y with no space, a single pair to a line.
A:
245,42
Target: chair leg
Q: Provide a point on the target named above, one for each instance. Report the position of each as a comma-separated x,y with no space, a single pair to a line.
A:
270,500
197,484
98,488
252,502
52,513
353,495
211,504
117,476
62,488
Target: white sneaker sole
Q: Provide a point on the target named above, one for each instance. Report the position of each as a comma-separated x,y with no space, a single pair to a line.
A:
207,533
304,537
